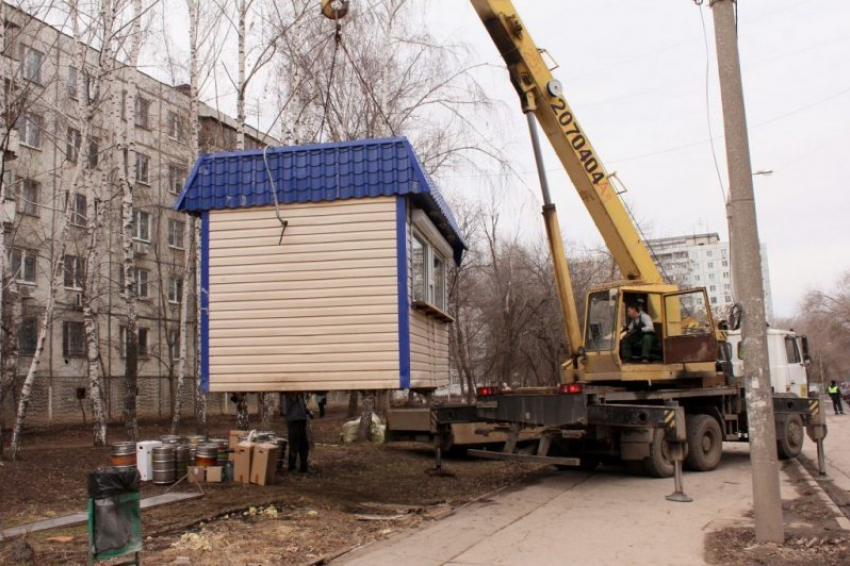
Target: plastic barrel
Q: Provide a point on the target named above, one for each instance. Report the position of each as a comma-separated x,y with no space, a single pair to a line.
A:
181,459
164,464
123,455
206,455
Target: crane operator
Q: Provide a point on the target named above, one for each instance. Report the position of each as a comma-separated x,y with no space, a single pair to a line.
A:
638,334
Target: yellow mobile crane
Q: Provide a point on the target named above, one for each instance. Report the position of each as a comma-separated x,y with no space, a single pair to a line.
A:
679,404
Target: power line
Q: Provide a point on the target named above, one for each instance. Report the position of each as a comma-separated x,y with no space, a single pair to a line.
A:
708,105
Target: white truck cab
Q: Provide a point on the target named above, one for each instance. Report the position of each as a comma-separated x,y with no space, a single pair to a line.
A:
788,355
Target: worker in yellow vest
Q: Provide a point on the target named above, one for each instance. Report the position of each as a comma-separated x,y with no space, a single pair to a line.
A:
835,395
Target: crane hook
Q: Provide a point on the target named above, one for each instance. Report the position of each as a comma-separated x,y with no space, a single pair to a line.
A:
334,9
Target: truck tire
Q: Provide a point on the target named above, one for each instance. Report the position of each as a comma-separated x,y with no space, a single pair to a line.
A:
658,464
705,443
789,437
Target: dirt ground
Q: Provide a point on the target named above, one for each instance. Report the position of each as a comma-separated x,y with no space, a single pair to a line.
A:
812,536
300,520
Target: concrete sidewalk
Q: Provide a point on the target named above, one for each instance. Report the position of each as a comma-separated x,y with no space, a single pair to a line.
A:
602,518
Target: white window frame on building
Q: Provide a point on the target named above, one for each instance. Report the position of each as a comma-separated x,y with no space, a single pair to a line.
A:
29,197
142,112
73,339
73,145
175,126
94,152
28,336
24,263
175,233
143,168
141,335
74,268
428,275
72,83
176,178
141,226
31,62
31,125
79,209
175,289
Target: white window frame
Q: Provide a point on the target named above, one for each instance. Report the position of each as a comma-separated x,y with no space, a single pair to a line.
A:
142,118
176,178
73,145
79,209
434,245
143,174
31,130
142,278
139,234
31,74
175,239
73,82
29,205
78,272
122,341
175,126
67,325
175,289
25,255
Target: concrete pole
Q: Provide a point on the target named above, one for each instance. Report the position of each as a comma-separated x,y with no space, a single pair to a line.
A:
747,275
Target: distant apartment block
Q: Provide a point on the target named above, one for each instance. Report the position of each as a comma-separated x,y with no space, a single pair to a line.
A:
702,260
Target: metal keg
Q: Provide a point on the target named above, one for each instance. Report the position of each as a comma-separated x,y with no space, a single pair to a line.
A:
196,438
164,464
223,450
265,436
181,459
206,455
124,455
169,439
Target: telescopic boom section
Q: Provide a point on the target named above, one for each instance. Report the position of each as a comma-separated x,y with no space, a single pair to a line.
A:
541,94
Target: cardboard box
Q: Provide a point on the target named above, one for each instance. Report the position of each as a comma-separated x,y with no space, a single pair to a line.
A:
242,462
215,474
144,458
234,437
196,474
264,464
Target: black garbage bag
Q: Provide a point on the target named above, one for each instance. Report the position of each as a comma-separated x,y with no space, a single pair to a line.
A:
116,511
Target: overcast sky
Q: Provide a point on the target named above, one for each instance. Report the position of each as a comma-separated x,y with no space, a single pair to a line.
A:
634,72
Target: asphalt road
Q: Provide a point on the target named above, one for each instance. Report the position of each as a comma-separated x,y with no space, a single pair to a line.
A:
607,517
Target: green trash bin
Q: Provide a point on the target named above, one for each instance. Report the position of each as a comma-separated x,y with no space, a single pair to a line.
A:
115,526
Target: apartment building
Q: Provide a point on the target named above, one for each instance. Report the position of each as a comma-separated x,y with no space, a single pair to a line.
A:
703,260
42,78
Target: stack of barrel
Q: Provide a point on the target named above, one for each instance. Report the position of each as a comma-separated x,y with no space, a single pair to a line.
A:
171,460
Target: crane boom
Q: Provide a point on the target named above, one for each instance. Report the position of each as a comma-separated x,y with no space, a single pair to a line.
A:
541,94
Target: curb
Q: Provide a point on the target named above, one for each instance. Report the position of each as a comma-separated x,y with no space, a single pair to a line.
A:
840,518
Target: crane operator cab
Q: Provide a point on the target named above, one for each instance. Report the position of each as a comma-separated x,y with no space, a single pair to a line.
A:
647,333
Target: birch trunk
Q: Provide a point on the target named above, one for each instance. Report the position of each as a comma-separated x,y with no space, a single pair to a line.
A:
128,150
7,332
189,226
240,87
267,410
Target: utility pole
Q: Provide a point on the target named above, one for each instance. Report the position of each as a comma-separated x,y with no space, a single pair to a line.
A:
747,275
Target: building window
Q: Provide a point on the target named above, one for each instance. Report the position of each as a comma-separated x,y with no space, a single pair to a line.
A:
726,286
73,339
31,130
709,253
79,209
142,335
141,225
141,285
176,178
696,277
713,300
711,265
94,150
429,273
75,268
90,87
420,271
728,298
72,149
175,233
175,127
175,289
23,265
725,275
28,336
174,344
724,263
31,60
72,82
711,277
143,164
29,197
712,287
143,107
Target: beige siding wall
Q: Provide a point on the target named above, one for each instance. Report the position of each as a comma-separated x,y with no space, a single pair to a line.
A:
429,338
318,312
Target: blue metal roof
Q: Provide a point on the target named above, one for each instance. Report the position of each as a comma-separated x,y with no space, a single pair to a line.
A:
316,173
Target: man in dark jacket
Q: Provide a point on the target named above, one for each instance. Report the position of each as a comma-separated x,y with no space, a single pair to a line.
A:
835,394
296,413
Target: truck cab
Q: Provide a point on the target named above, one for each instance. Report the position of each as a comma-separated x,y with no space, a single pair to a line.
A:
788,355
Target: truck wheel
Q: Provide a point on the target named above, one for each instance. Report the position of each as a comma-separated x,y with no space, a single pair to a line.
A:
658,464
705,443
789,437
